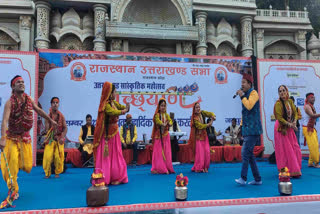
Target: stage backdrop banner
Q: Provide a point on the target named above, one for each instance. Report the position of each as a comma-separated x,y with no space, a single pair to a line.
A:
24,64
300,77
141,80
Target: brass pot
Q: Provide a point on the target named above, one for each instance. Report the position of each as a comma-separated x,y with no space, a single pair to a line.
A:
181,193
285,188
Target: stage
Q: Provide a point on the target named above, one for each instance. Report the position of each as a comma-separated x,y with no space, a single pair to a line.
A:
145,191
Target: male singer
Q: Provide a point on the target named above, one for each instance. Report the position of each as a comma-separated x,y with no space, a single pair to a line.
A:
251,129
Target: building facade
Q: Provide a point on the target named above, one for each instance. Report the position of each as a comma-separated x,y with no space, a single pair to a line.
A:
193,27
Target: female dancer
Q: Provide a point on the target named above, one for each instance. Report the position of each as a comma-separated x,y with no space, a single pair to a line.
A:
110,166
161,156
199,139
287,150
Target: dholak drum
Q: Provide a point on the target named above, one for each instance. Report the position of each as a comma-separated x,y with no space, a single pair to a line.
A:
227,140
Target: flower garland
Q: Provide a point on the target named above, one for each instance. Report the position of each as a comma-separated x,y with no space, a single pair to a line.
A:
181,181
284,175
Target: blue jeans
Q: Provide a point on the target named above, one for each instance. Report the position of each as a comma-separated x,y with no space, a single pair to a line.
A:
248,157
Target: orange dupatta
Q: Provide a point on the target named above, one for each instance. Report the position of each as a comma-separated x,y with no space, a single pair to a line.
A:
100,123
192,137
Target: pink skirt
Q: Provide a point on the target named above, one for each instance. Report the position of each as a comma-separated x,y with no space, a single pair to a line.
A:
202,156
113,166
287,150
160,164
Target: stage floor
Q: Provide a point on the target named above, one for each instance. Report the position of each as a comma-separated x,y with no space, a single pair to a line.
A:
146,191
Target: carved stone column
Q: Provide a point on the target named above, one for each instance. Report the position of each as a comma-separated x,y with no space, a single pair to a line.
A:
43,20
260,43
246,36
100,13
187,48
301,35
125,45
201,18
178,48
116,45
25,24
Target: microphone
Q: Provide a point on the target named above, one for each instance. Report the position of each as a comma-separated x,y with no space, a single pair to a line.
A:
234,96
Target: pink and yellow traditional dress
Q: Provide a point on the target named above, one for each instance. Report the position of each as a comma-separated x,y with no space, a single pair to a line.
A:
199,141
161,156
109,162
287,150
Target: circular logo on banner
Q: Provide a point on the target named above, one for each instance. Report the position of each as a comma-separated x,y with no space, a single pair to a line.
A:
221,75
78,71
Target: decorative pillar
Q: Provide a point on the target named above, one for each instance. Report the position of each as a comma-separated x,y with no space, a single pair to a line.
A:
43,20
246,36
202,47
260,43
125,46
303,43
116,45
178,48
187,48
100,14
25,24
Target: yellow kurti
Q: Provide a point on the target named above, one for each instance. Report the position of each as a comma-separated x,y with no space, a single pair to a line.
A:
291,111
19,156
165,131
113,110
201,126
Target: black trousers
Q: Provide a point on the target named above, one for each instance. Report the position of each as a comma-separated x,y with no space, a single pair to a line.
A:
174,149
84,155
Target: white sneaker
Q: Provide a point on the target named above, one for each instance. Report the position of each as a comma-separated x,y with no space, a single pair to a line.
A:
255,182
240,181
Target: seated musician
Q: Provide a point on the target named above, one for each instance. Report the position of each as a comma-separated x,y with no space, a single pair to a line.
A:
212,135
234,131
128,137
174,140
86,149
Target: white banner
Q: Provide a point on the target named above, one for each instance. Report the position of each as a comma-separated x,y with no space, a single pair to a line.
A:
24,64
77,80
300,77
